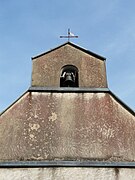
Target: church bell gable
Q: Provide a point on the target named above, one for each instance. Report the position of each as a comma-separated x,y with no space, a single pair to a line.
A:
55,131
90,68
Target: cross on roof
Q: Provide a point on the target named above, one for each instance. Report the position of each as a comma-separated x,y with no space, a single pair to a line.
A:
69,35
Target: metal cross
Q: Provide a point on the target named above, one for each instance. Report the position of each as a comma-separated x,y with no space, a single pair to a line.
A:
69,35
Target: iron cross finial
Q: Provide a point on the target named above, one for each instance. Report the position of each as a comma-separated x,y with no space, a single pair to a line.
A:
69,35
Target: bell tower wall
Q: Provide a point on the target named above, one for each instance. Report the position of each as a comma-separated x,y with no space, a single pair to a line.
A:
47,68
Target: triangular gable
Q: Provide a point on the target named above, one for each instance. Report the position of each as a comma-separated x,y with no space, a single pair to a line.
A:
75,46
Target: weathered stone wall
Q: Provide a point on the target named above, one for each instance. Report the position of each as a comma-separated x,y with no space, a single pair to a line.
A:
67,174
67,126
47,68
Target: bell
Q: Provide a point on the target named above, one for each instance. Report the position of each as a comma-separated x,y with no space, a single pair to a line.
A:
69,80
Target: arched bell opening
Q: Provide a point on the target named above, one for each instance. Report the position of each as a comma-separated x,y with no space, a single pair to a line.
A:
69,76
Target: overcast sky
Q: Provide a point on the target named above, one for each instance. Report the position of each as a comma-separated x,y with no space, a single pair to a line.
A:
30,27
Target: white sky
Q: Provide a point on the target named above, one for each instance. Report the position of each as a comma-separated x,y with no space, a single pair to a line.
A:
30,27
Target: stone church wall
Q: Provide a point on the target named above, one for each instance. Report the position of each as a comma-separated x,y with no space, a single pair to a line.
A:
67,174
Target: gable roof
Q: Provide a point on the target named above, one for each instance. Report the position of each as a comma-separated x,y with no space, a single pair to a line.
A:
75,46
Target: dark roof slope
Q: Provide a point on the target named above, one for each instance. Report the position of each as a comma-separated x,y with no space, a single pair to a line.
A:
75,46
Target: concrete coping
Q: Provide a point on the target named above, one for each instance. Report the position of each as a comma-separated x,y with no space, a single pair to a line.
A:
57,163
67,89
